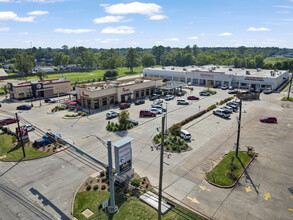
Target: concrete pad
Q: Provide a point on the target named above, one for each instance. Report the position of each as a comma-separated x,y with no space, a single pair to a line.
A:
87,213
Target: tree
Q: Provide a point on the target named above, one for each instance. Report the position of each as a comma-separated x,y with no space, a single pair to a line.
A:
41,75
259,61
88,59
195,50
148,60
132,59
158,52
5,88
110,74
175,129
57,59
110,59
24,62
122,118
208,85
65,60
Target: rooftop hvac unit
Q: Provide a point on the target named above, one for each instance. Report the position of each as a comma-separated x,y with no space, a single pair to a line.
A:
218,66
258,69
192,66
213,68
153,67
243,68
272,73
247,72
230,69
184,69
163,67
172,68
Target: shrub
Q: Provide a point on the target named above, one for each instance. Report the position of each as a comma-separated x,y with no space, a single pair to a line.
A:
4,129
103,187
14,139
96,187
135,182
175,129
88,188
102,173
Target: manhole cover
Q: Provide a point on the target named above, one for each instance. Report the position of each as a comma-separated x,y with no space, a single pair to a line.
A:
87,213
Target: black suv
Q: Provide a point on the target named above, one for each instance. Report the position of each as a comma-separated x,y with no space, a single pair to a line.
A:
139,102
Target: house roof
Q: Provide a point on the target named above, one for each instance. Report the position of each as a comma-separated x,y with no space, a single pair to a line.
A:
3,73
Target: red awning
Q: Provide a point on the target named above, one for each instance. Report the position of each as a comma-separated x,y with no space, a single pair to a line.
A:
72,103
67,101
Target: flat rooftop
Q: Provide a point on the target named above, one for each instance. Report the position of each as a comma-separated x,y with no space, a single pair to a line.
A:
228,70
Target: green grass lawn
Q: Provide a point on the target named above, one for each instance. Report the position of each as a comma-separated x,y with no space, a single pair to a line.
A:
274,60
219,172
1,91
84,76
285,99
130,208
11,153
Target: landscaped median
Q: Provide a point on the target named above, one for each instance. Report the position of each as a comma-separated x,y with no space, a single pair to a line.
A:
227,173
95,190
10,150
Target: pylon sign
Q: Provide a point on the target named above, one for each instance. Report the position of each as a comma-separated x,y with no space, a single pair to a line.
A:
22,133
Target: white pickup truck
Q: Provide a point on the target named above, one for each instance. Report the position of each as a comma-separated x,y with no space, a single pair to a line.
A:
221,113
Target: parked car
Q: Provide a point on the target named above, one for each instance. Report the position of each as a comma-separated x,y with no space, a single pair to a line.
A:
30,127
182,102
230,87
185,135
154,97
229,109
192,98
147,112
215,86
23,107
267,91
163,109
169,97
221,113
112,114
245,92
224,87
269,119
48,100
156,110
234,107
7,121
158,101
189,83
236,102
180,94
234,91
204,93
124,105
139,102
134,122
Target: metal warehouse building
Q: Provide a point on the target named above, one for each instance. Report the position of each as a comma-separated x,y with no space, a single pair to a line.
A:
221,75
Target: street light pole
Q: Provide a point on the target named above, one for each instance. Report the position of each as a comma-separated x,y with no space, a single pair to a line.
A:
20,135
239,126
290,85
161,170
112,208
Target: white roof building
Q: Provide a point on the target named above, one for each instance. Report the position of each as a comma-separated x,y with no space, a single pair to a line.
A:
221,75
3,74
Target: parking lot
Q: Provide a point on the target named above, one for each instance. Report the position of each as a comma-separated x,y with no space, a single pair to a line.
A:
212,137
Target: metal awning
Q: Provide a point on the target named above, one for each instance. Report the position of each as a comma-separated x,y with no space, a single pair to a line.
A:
70,93
129,93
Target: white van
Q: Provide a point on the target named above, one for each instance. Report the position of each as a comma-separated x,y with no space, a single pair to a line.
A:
185,135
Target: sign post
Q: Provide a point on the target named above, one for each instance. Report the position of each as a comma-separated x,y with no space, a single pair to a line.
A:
19,134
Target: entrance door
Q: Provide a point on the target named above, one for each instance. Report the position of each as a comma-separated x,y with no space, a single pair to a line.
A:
122,98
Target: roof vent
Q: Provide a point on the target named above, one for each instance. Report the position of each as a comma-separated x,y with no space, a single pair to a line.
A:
230,69
258,69
163,67
272,73
247,72
184,69
243,68
153,67
172,68
213,68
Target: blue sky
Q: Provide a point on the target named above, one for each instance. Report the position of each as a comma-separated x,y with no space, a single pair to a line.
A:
125,23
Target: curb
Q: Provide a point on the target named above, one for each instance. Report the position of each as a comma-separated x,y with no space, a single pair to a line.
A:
236,181
72,117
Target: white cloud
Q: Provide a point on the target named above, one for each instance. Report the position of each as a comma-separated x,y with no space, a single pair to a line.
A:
193,38
159,42
283,6
282,12
4,29
258,29
4,0
134,8
118,30
287,19
171,39
157,17
73,31
225,34
106,41
23,33
11,16
38,13
109,19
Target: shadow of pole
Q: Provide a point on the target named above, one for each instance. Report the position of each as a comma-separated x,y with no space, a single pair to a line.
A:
247,175
46,202
11,167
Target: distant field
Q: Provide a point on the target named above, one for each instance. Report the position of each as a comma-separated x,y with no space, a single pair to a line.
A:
274,60
84,76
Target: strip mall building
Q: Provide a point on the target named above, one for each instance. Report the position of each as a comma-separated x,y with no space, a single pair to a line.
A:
103,94
221,75
37,89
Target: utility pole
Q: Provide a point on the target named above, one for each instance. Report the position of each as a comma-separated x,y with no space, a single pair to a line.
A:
19,135
290,85
161,169
239,126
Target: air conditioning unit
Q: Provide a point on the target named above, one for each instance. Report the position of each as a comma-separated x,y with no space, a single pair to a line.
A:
230,69
247,72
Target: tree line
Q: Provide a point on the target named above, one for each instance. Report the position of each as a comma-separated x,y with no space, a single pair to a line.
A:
249,57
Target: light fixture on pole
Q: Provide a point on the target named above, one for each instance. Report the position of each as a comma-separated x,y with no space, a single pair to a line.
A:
113,208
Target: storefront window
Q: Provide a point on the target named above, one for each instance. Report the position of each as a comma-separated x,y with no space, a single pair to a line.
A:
111,99
152,91
147,92
137,94
89,103
142,93
104,101
96,103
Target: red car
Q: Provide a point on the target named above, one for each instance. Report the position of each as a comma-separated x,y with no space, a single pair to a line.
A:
7,121
269,119
192,98
124,105
146,112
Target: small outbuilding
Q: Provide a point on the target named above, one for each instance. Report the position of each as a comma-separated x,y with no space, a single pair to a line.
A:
3,74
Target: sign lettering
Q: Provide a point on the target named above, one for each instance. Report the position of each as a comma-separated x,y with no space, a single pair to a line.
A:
206,75
22,132
254,78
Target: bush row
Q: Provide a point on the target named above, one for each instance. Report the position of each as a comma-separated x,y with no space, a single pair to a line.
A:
118,127
58,108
